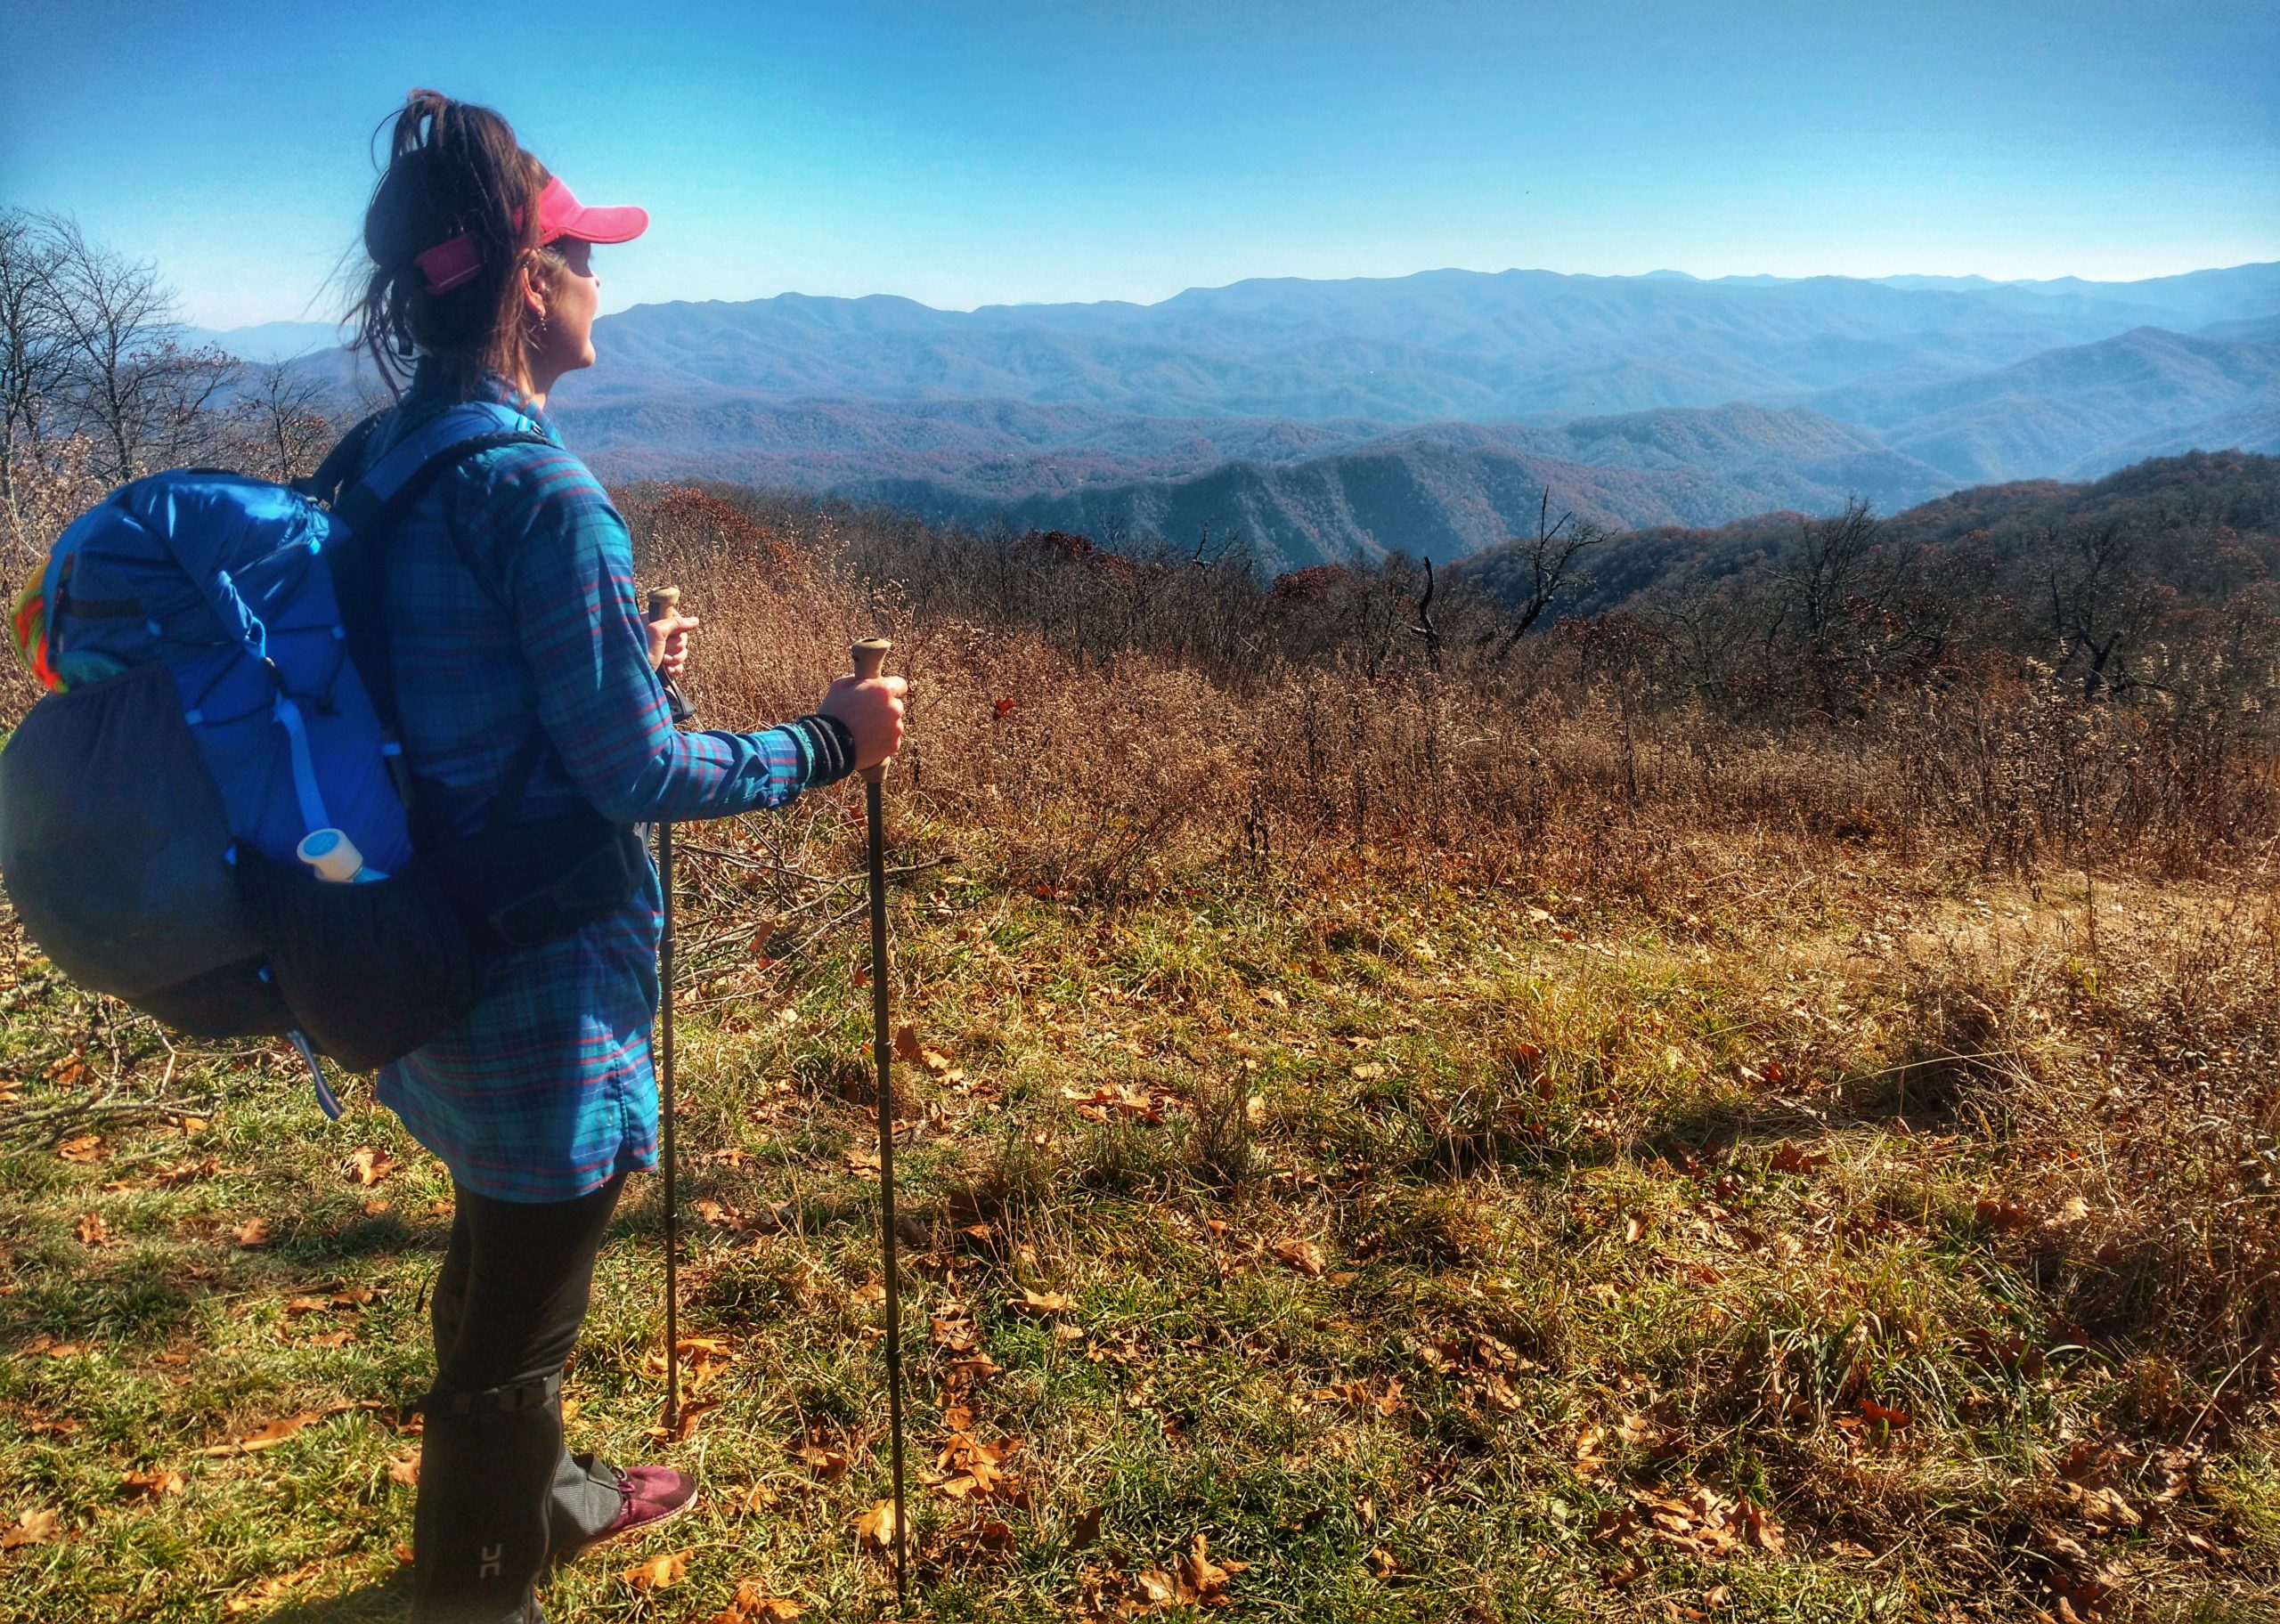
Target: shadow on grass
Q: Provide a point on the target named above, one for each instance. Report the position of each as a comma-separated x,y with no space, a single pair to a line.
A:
386,1601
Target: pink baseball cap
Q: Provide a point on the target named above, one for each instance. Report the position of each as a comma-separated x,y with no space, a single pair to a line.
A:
448,264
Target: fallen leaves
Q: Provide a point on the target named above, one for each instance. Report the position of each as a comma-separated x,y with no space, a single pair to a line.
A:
265,1591
970,1469
267,1436
368,1165
1195,1579
1695,1519
1360,1395
149,1485
270,1434
907,1048
91,1230
1304,1257
875,1528
83,1147
1041,1302
659,1572
252,1233
678,1429
37,1526
1105,1101
830,1465
754,1605
1996,1212
1792,1157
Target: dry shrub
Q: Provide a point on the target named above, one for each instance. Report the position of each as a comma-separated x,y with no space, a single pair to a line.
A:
2129,1093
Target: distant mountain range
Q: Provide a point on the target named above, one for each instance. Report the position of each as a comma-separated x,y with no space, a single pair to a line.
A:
1423,413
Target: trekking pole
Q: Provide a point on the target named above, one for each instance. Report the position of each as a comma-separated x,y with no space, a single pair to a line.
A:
870,656
663,602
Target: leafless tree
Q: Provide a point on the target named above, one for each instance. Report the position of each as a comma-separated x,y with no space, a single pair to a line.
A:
1551,557
128,381
284,421
2103,606
33,357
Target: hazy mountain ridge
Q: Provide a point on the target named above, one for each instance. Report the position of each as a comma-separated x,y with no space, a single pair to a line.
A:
1646,400
2064,411
1444,345
2028,521
1447,492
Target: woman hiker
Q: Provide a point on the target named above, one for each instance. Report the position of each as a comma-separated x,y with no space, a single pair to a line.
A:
526,678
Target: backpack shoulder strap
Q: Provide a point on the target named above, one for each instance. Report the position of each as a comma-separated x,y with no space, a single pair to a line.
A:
371,506
439,441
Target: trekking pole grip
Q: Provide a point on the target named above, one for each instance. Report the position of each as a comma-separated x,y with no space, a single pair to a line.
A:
870,659
665,602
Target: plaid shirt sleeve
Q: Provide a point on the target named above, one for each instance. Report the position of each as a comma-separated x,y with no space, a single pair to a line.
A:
564,561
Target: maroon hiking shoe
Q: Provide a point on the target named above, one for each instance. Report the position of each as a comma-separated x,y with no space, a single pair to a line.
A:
653,1495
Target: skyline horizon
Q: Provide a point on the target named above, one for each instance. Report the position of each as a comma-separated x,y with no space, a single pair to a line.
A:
1030,152
1660,271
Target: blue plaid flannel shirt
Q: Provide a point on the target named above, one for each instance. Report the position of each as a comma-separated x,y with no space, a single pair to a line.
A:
545,1091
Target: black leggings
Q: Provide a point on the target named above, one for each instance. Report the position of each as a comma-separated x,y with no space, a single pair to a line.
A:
508,1300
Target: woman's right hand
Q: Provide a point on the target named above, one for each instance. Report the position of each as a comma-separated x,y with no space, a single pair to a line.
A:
872,711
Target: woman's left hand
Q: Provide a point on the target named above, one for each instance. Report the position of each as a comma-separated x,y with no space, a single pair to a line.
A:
668,643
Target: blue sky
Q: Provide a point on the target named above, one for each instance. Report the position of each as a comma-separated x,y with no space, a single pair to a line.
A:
963,154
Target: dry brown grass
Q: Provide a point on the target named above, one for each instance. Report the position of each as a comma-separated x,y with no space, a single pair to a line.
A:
1663,1099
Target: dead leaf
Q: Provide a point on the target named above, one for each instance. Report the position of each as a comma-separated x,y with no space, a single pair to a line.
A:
404,1468
1894,1418
830,1465
1302,1256
37,1526
252,1233
265,1437
875,1527
85,1148
368,1165
692,1411
1763,1530
1042,1302
149,1485
1790,1157
754,1605
2002,1214
905,1042
1201,1580
659,1572
268,1590
93,1230
1087,1529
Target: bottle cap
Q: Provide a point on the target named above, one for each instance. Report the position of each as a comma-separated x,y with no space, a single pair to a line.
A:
332,854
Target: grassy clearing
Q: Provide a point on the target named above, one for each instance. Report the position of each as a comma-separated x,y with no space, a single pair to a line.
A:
1835,1242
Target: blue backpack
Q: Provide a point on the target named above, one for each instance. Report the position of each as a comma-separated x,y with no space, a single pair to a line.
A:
215,652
